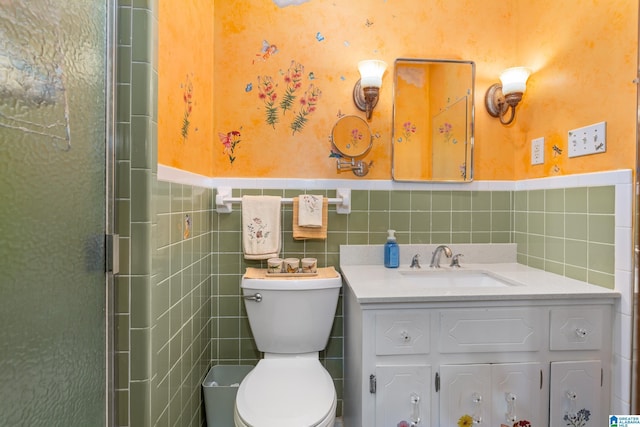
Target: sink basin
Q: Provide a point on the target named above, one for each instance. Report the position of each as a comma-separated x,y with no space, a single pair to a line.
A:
455,279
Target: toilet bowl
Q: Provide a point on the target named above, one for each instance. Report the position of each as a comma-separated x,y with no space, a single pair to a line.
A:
289,392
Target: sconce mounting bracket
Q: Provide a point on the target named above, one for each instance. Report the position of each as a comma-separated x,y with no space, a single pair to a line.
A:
360,96
494,101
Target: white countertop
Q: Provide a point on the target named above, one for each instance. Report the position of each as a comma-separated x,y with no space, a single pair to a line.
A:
377,284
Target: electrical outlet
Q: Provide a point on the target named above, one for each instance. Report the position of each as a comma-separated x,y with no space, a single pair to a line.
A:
590,139
537,151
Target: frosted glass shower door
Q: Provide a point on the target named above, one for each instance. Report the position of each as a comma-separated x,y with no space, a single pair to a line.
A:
52,212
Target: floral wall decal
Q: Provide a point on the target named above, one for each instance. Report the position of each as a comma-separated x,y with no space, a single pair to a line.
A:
187,96
230,140
307,106
293,82
267,93
293,79
186,233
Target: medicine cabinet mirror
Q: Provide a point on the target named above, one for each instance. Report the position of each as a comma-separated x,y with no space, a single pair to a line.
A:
433,120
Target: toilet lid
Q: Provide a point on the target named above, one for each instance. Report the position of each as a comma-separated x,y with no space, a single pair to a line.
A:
286,393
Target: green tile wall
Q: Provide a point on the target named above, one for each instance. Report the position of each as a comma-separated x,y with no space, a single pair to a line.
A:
163,293
568,231
180,303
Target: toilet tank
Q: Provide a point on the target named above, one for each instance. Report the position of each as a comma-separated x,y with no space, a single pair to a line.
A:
293,315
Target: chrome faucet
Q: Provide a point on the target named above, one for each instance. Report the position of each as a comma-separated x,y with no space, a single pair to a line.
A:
435,259
415,261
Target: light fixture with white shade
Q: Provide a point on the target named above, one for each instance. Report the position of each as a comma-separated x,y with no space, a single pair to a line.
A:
367,89
500,98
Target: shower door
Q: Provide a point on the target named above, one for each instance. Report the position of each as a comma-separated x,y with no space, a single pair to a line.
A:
53,212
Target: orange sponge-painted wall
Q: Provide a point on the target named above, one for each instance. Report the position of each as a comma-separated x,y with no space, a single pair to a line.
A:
185,85
271,77
584,57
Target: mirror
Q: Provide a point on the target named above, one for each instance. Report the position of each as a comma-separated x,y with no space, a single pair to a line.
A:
433,120
351,137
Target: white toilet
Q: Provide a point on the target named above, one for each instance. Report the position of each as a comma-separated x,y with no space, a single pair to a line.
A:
291,321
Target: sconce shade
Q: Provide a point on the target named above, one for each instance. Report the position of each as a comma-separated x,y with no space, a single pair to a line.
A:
514,80
367,89
371,72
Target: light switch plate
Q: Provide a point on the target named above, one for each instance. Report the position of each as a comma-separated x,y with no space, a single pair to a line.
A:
586,140
537,151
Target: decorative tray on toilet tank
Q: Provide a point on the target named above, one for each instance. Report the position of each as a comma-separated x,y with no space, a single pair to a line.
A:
262,273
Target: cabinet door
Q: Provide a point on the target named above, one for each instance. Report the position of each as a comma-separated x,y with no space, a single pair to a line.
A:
491,394
575,389
517,394
403,393
465,390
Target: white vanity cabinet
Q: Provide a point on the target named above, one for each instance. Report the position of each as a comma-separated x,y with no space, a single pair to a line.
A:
431,362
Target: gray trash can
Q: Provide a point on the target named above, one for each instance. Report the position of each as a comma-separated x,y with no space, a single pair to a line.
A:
219,388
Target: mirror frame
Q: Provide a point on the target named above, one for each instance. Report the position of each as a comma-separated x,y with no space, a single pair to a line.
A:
470,122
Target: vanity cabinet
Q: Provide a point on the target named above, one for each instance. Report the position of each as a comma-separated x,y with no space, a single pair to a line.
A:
431,362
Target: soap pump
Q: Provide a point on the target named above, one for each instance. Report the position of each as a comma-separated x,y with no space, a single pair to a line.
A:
391,251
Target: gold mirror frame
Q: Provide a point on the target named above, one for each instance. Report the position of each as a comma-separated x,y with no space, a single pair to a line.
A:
433,120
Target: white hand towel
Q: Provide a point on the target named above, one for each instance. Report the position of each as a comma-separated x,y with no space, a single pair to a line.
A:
261,226
310,210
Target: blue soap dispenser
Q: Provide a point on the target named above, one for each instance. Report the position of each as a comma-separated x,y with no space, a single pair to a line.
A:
391,251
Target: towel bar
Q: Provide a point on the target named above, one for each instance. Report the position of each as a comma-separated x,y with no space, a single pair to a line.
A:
224,200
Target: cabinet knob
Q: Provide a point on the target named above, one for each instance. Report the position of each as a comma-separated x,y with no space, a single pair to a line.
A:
510,415
405,336
571,413
476,398
581,332
415,409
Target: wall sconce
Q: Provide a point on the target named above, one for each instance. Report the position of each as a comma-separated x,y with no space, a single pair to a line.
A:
367,89
499,99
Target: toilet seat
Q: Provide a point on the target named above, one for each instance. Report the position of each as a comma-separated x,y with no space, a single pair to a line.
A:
286,392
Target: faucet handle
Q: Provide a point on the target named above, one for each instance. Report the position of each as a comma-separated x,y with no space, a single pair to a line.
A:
415,261
455,261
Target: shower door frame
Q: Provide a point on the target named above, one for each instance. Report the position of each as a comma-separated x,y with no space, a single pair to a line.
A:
111,239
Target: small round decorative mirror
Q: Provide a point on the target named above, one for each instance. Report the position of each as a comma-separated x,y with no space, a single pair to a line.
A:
352,138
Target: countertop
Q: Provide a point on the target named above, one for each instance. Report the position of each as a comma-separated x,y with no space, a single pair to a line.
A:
377,284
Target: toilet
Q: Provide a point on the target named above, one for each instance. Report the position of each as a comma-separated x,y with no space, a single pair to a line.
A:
291,319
